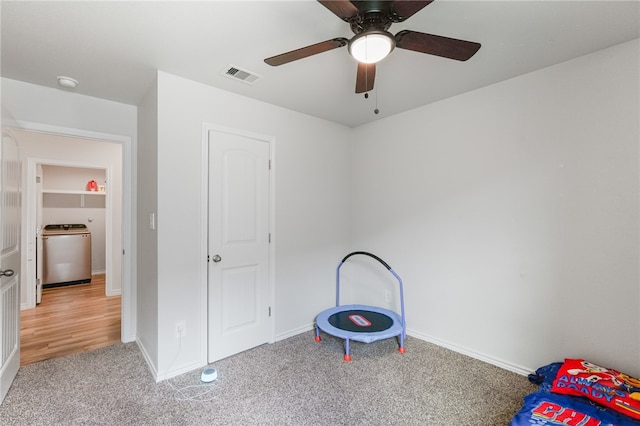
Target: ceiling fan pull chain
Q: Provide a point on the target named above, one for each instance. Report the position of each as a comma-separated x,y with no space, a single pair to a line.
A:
366,78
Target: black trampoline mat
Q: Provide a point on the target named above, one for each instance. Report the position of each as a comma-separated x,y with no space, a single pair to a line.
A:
360,321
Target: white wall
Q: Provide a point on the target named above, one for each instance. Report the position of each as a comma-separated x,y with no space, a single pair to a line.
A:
64,110
147,239
311,171
511,213
39,104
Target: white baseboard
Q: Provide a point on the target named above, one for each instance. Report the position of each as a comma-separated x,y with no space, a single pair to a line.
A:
160,376
173,373
473,354
295,332
147,359
518,369
128,338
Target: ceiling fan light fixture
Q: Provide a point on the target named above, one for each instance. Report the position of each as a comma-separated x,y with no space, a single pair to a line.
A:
370,47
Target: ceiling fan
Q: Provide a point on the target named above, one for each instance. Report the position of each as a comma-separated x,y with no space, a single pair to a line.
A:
369,21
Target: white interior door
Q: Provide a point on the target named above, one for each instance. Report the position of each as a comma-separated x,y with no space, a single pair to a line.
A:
9,261
239,288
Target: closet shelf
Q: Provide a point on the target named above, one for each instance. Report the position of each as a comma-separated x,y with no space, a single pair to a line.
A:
71,191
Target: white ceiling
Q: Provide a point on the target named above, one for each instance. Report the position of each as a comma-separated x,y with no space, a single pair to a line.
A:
114,48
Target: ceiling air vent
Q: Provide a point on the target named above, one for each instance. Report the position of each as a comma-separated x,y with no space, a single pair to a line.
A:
240,75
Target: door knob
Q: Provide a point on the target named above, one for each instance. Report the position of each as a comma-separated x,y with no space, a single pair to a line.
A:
6,273
216,258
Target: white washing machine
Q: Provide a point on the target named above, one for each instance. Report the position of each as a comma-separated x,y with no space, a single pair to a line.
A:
66,255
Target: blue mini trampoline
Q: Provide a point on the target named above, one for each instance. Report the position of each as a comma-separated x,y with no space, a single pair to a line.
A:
360,322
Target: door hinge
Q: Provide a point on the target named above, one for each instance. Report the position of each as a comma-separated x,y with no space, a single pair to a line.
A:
269,310
269,164
269,237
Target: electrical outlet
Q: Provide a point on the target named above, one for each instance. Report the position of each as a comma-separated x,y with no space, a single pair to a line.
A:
387,296
181,329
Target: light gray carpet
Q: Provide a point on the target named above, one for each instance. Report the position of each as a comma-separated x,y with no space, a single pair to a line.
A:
293,382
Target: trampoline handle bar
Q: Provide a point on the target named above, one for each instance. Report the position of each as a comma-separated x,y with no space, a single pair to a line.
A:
367,254
404,324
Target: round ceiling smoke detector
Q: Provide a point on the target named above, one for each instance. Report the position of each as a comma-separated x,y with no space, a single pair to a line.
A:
67,82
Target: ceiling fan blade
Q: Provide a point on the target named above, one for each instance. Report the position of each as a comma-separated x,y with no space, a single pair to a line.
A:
365,77
343,9
451,48
403,10
303,52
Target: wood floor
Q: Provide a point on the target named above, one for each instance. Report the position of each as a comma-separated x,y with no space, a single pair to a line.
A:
69,320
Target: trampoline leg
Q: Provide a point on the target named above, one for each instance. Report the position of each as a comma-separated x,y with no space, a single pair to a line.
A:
402,349
318,338
347,354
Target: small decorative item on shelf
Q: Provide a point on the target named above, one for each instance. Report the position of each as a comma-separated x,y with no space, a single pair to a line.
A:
92,186
101,188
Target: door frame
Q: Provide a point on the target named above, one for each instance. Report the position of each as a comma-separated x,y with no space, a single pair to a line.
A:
128,312
204,224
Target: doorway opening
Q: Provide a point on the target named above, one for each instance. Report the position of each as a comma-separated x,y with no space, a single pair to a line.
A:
64,202
71,223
